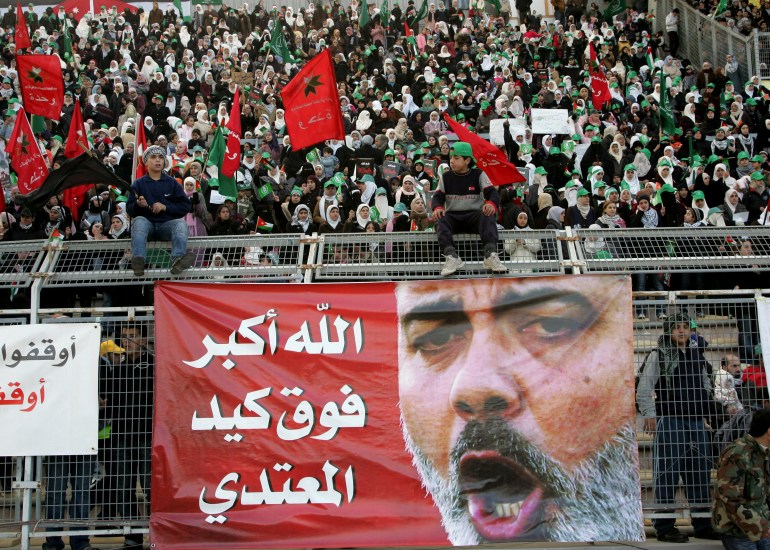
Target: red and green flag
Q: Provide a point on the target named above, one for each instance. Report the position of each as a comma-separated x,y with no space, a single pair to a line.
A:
262,225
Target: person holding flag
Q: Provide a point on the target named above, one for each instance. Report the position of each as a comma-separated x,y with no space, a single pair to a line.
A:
466,202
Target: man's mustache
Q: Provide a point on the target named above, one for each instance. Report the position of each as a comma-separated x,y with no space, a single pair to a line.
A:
496,435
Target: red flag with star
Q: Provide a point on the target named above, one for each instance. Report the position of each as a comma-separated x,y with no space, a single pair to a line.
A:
232,160
26,159
312,104
488,157
600,93
21,36
77,140
42,85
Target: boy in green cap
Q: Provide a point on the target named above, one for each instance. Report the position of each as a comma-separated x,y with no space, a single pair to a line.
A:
466,201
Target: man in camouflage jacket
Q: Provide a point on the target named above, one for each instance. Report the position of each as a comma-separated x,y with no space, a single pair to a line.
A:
740,510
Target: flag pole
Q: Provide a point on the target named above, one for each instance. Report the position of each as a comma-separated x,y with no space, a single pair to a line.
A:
136,147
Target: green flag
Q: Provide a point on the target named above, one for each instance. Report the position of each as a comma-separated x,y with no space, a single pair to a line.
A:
667,123
312,156
264,191
615,7
721,7
496,3
385,13
38,124
178,6
68,57
421,13
216,158
374,214
278,43
363,19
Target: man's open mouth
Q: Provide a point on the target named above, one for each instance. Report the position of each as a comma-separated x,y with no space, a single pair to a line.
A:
504,498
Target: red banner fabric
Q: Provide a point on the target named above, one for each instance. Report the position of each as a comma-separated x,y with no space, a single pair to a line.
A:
21,36
312,104
139,147
600,93
488,157
77,140
318,418
42,86
232,160
26,158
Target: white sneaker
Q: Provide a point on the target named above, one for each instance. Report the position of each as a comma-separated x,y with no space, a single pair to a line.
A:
452,264
493,263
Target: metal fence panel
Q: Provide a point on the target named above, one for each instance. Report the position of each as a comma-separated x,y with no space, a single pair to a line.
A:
762,54
17,261
674,250
415,255
109,492
233,258
726,334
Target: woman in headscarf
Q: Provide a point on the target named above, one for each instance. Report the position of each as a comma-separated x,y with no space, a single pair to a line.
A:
434,125
643,165
280,122
544,205
631,179
119,227
333,221
364,121
357,221
522,250
301,221
199,218
732,206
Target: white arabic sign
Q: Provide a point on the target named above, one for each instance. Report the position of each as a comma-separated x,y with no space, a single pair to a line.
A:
550,121
497,129
49,403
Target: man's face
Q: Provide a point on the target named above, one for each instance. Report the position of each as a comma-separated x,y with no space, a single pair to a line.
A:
499,387
132,340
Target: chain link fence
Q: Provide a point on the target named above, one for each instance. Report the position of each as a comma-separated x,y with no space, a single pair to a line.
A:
702,38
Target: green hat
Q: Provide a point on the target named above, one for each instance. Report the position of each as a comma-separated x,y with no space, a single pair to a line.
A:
756,176
296,191
609,191
751,101
599,185
715,210
757,158
743,155
367,178
712,158
582,193
646,153
541,170
644,103
58,138
243,186
554,150
575,137
462,149
399,207
390,152
625,186
698,196
629,167
570,183
596,139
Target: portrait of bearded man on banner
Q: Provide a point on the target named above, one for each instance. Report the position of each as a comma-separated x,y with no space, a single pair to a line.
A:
517,406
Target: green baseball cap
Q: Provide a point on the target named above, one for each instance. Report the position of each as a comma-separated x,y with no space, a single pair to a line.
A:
462,149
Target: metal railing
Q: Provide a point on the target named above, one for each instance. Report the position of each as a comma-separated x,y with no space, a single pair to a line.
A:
702,38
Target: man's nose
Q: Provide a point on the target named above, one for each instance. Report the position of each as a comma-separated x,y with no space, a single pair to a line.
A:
488,389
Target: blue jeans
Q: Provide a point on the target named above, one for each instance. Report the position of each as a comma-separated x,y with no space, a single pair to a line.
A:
78,471
734,543
682,449
143,229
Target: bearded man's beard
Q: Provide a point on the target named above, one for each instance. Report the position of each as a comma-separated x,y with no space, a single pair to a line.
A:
598,501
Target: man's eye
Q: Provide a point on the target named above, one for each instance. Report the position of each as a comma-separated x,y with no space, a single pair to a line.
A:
552,327
440,340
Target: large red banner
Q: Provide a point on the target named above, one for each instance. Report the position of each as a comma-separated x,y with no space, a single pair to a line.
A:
392,414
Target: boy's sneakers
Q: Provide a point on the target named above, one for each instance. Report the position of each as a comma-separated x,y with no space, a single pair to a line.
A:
181,263
493,263
452,264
